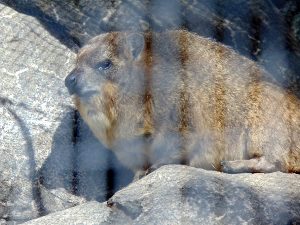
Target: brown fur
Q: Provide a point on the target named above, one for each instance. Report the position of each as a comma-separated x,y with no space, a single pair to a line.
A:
187,99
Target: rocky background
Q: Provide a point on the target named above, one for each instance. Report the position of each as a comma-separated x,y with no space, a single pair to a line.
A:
50,161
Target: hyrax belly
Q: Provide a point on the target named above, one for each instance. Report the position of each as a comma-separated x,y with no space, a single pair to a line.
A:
175,97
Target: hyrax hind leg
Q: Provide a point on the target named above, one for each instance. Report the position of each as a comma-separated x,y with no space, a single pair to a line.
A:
255,165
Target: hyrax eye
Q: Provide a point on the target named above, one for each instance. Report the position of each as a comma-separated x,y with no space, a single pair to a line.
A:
104,65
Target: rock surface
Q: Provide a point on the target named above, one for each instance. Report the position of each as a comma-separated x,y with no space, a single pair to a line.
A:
90,213
35,114
177,194
49,160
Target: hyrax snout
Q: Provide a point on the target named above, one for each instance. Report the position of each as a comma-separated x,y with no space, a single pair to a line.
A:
176,97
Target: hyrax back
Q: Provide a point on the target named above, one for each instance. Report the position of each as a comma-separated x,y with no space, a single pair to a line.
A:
176,97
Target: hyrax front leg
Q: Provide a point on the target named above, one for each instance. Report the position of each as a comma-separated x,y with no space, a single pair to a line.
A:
165,150
139,174
256,165
162,163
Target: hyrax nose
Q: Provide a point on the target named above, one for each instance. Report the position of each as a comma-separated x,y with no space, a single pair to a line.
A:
71,81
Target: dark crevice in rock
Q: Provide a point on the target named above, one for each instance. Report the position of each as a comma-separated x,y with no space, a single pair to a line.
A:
219,21
5,101
110,183
38,198
295,221
76,2
75,136
292,44
185,25
255,32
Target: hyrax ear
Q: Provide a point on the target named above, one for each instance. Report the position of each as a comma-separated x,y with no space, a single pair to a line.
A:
136,44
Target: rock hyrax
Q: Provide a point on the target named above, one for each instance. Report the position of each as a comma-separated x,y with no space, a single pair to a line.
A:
176,97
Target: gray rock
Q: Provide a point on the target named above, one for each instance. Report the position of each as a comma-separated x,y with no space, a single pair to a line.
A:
50,160
177,194
59,199
35,114
90,213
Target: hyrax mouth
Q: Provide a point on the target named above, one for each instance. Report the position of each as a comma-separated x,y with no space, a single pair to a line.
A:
86,95
72,81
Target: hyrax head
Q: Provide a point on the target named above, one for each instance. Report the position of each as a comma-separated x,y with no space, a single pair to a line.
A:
106,58
108,68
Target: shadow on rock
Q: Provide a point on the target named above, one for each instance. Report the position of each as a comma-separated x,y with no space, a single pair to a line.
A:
82,168
223,198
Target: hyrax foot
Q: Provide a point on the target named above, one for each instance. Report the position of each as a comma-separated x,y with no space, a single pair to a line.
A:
152,168
257,165
139,175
